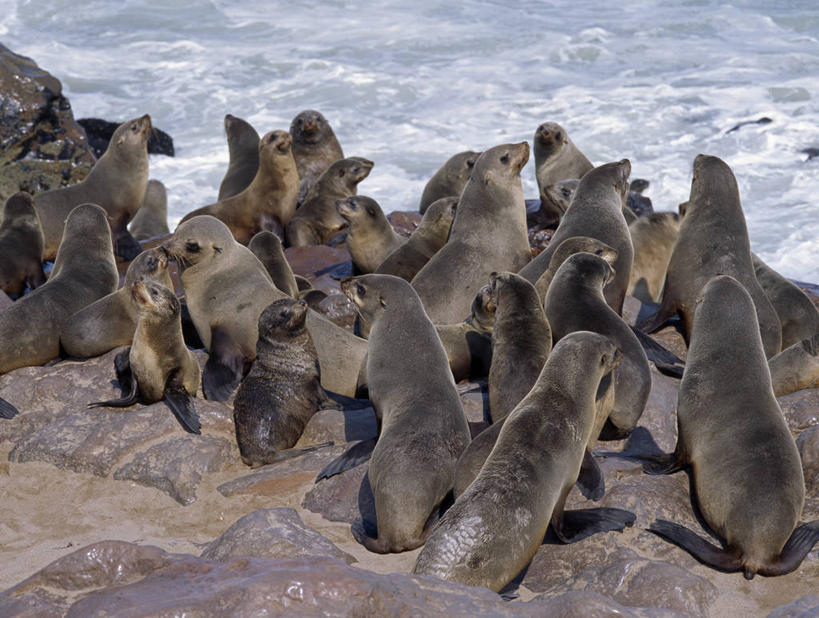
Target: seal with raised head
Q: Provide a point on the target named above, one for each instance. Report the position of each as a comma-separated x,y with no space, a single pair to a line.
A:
151,219
83,272
556,198
317,220
496,526
713,241
158,366
597,212
450,179
653,237
269,201
370,236
268,248
243,150
430,235
111,321
796,367
488,234
315,147
570,246
746,470
468,344
423,427
117,183
556,159
21,246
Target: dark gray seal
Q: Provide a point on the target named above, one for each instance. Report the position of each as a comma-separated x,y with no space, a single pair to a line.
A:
450,179
21,246
243,150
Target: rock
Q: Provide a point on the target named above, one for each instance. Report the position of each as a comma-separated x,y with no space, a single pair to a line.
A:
339,426
343,497
808,444
475,399
323,266
99,133
404,222
539,239
272,533
176,466
581,603
631,309
801,409
5,301
671,339
338,309
804,607
42,146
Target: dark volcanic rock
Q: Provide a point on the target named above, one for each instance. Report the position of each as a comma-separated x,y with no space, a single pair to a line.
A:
99,133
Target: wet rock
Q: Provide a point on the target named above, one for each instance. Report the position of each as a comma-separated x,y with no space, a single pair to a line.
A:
801,409
272,533
41,146
338,309
343,497
176,466
808,444
404,222
805,607
339,426
99,133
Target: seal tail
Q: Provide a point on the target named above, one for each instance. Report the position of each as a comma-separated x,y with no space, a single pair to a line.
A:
720,559
801,542
7,410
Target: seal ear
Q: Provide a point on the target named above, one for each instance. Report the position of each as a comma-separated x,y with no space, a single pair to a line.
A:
217,249
382,301
341,173
488,177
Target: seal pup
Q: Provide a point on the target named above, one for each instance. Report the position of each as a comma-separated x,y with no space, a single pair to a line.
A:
597,212
746,469
488,234
468,344
315,147
798,316
570,246
370,236
117,183
21,245
575,302
496,526
556,158
151,219
269,201
268,248
83,272
428,238
423,427
450,179
316,220
111,321
796,368
653,236
243,152
713,241
158,366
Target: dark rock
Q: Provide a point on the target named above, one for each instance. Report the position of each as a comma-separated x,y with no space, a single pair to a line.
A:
404,222
272,533
801,409
339,426
539,239
808,444
805,607
99,133
811,152
343,497
736,127
321,265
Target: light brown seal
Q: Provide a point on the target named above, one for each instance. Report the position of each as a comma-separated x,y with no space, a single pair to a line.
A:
316,220
243,150
796,367
21,246
713,241
111,321
370,236
423,427
556,198
653,236
570,246
489,234
269,201
117,183
315,147
496,526
556,159
468,344
83,272
744,462
268,248
151,219
450,179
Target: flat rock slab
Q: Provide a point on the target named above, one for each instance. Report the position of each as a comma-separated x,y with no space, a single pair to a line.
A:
272,533
805,607
343,497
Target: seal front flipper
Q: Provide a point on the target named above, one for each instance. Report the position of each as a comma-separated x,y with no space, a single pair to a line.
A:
702,550
7,410
354,456
576,525
129,398
189,332
224,368
591,482
181,404
801,542
666,361
126,246
122,365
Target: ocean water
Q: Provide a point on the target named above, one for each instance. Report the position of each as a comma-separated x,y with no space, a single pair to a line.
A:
409,84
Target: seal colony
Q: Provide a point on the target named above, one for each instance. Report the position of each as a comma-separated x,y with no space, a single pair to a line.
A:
461,298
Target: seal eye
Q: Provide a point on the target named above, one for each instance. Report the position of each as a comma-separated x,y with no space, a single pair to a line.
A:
153,293
470,163
134,127
359,289
558,136
599,252
505,159
565,192
192,247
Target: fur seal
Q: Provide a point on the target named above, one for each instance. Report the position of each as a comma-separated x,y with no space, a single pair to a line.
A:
450,179
158,366
556,159
83,272
468,344
21,246
316,220
243,149
370,236
496,526
556,197
597,212
575,302
713,241
315,147
798,316
269,201
488,234
226,289
111,321
570,246
282,391
268,248
653,236
432,233
796,367
746,469
151,220
117,183
423,427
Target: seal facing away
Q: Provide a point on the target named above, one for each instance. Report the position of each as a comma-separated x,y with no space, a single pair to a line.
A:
450,179
151,219
370,237
243,150
423,427
496,526
745,465
21,246
268,248
158,366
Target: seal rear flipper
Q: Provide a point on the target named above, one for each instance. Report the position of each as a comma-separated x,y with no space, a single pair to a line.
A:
657,320
128,399
666,361
126,246
334,401
224,368
576,525
354,456
7,410
642,448
181,404
702,550
590,481
801,542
